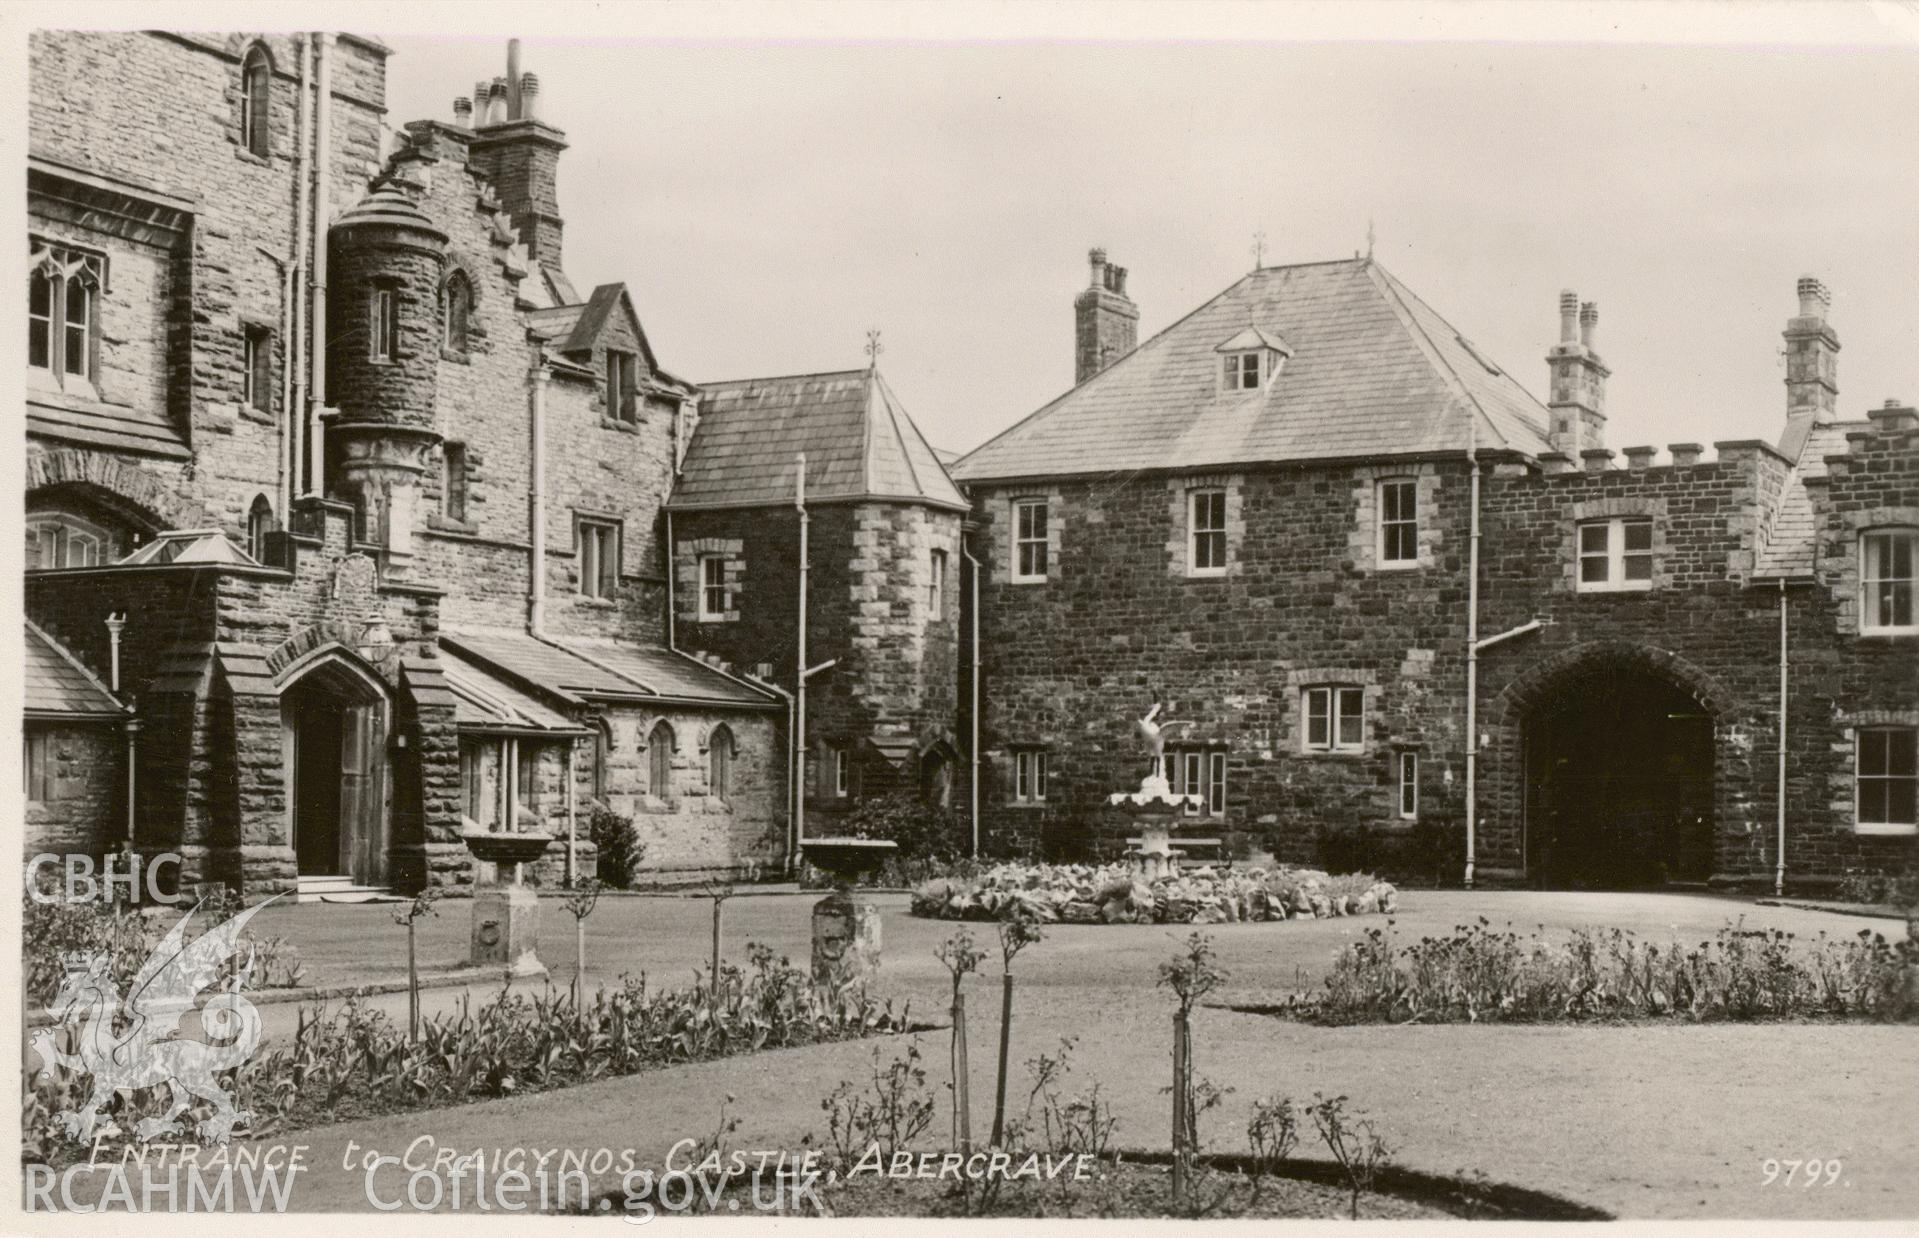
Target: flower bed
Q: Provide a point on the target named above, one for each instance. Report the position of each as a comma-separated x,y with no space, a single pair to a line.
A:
1115,894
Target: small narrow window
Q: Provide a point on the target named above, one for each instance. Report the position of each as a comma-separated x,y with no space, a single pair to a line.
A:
842,772
599,550
40,321
1030,547
256,114
1886,580
1029,776
1216,783
1409,785
37,762
479,775
659,762
260,522
712,588
622,385
459,310
602,759
453,487
384,324
719,763
528,776
1199,772
1615,554
1335,719
257,369
936,585
1887,761
77,349
1206,524
1399,521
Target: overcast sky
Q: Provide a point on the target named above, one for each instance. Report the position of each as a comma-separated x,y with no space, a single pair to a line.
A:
768,203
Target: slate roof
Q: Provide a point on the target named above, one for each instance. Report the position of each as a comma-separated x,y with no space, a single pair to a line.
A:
121,427
1792,540
54,685
485,701
1374,371
858,439
576,668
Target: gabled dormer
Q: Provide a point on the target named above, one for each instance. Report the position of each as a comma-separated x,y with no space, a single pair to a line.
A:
602,338
1250,360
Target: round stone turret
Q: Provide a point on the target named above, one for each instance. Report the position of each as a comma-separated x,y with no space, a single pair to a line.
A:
383,357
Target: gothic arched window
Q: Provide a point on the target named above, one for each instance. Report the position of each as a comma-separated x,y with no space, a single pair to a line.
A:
459,310
256,102
719,763
659,762
260,522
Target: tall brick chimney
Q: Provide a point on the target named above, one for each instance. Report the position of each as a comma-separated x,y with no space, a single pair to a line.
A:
1578,393
1812,358
519,155
1105,320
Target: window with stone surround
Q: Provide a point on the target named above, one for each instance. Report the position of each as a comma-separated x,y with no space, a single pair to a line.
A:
1198,770
936,585
66,541
719,763
1206,531
1886,581
1409,786
839,766
599,550
659,763
1335,718
713,601
622,385
63,306
1029,775
1615,554
1030,543
260,522
36,761
256,377
1886,778
256,103
1398,522
383,323
453,483
459,311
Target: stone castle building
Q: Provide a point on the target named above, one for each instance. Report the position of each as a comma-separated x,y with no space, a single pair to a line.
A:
354,526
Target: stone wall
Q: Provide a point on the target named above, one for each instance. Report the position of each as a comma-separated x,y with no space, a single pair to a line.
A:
84,811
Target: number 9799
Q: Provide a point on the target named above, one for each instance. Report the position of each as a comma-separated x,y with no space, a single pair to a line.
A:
1803,1173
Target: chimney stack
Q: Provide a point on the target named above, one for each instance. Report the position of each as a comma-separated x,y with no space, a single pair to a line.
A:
1812,358
519,155
1105,320
463,112
1577,395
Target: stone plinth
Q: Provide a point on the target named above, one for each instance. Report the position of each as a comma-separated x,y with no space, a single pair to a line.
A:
506,927
846,940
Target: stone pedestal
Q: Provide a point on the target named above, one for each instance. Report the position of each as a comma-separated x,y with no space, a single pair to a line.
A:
506,926
846,939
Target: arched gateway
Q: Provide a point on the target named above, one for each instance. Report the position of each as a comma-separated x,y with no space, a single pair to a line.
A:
1615,748
335,713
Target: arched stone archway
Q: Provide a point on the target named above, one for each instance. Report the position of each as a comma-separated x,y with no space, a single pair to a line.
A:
336,713
130,493
1610,758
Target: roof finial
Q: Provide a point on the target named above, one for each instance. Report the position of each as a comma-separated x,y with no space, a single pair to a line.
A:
1259,250
1369,238
873,349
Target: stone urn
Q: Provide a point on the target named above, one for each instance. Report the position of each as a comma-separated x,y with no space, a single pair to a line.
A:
846,931
506,915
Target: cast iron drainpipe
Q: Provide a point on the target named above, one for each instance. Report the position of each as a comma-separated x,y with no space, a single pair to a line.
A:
972,750
132,725
1779,860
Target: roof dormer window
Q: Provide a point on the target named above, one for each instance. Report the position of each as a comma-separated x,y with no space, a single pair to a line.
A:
1250,360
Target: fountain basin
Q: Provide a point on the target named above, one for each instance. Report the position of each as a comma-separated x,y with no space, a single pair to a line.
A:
846,860
507,848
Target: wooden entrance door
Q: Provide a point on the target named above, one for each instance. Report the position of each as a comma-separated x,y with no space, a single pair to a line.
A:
363,793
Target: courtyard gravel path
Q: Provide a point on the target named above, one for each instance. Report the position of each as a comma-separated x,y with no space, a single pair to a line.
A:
1644,1121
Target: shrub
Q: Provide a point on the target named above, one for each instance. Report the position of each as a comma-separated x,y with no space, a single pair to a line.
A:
619,846
923,831
1478,975
356,1061
1899,890
1430,852
51,931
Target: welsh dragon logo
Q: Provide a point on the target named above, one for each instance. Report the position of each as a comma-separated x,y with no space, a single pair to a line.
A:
131,1044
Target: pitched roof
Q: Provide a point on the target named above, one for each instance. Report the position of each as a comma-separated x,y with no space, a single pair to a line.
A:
190,546
488,702
1792,538
575,668
55,685
1374,371
858,439
120,427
